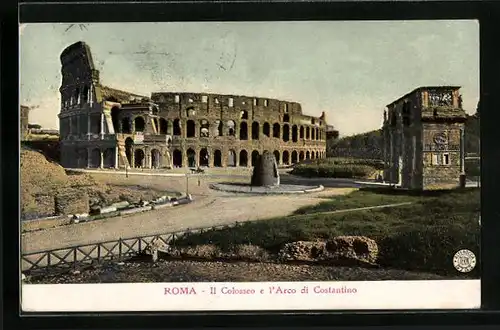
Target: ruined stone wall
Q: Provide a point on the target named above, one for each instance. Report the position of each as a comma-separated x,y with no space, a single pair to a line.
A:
228,126
205,129
83,134
403,147
427,145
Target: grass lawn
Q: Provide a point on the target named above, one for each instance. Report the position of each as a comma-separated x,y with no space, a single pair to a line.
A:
421,236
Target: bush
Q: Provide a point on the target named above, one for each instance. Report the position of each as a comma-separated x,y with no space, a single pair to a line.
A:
333,171
429,249
338,168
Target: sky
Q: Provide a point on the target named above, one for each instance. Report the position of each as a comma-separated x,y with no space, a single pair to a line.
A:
351,70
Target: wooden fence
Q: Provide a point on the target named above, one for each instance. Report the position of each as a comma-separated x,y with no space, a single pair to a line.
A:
77,256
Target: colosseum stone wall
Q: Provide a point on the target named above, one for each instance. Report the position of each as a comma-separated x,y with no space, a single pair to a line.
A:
105,127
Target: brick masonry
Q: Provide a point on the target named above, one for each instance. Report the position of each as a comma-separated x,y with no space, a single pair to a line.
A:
424,139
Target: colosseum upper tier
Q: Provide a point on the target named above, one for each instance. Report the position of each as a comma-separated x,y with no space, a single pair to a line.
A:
109,128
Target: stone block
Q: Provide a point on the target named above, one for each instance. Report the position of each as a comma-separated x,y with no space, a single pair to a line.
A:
72,201
45,205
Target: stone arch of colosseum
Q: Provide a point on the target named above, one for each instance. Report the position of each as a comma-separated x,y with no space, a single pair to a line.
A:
179,129
139,124
232,161
243,158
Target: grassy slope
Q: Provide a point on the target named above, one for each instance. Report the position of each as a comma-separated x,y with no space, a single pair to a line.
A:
420,236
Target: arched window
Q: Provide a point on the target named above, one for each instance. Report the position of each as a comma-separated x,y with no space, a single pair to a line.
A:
163,126
177,127
255,130
243,158
139,124
286,157
190,129
294,133
204,157
85,94
115,111
177,158
231,158
191,157
286,133
217,158
276,130
231,131
266,129
139,158
126,126
243,131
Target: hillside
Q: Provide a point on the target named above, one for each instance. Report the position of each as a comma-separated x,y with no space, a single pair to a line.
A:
47,190
370,144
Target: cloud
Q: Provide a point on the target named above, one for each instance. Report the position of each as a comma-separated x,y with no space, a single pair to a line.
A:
350,70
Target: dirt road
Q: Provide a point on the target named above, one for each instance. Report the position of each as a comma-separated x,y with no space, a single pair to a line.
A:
209,208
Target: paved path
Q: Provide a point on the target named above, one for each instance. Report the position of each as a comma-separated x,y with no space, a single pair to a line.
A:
209,208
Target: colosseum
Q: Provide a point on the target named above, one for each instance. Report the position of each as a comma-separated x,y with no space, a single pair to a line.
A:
102,127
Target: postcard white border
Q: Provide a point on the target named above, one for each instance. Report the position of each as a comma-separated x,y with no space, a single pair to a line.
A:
368,295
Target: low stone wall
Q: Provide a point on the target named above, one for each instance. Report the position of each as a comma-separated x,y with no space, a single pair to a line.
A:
41,224
117,209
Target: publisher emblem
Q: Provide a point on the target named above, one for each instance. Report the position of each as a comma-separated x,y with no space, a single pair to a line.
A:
464,261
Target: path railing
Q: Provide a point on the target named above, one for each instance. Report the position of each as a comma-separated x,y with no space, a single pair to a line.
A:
74,257
88,254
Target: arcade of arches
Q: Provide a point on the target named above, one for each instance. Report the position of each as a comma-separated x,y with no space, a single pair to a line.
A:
107,157
213,157
244,130
218,155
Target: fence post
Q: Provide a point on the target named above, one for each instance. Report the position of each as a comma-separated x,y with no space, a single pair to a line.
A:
120,249
48,259
99,253
74,257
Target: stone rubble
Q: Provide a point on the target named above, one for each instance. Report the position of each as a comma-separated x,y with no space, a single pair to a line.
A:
341,250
